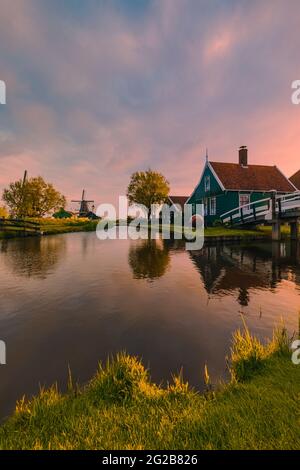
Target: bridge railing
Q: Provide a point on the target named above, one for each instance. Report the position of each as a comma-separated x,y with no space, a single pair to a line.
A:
19,225
287,202
262,209
248,213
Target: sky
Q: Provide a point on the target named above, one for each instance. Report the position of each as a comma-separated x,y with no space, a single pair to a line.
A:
98,89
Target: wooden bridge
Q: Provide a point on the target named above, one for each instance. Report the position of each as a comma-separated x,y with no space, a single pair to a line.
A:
274,210
20,226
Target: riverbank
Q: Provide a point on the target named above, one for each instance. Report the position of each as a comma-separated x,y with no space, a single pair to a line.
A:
122,409
53,226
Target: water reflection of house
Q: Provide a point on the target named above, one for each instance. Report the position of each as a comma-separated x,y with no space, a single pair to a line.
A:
225,269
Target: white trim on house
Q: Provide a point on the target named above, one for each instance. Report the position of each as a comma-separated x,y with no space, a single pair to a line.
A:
247,204
207,184
296,189
213,199
256,191
204,168
207,164
216,176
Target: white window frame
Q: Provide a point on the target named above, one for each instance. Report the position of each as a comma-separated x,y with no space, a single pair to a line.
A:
206,206
243,195
207,183
213,206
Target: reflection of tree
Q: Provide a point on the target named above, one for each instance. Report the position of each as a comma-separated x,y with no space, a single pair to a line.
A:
34,257
149,259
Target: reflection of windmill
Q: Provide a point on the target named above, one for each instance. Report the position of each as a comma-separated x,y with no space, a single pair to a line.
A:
84,210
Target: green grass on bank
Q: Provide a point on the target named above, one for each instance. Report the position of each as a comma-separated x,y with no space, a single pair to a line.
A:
50,226
121,409
53,226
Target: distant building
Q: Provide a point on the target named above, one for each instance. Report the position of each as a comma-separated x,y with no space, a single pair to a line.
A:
295,179
177,201
62,214
225,186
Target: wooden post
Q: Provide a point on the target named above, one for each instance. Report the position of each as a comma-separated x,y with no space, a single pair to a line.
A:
242,215
276,230
276,225
273,197
294,230
279,208
254,211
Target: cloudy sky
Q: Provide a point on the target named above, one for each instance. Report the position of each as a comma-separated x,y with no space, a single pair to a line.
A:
97,89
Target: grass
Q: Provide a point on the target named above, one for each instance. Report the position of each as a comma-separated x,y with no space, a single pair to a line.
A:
233,232
223,232
122,409
53,226
50,226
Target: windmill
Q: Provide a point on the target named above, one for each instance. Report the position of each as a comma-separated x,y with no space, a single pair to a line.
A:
84,210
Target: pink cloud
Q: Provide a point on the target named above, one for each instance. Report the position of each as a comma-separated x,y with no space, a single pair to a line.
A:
93,102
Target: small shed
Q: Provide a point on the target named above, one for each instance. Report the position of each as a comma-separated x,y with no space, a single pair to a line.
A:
62,214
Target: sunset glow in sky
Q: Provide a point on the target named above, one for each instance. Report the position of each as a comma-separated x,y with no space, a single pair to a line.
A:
97,89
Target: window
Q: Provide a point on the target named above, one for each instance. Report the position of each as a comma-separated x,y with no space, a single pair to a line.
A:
207,183
206,206
213,206
245,201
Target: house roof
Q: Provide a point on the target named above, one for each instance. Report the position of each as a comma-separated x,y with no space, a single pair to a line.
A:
295,179
181,200
251,178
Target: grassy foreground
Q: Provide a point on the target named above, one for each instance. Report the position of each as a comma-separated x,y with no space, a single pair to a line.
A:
121,409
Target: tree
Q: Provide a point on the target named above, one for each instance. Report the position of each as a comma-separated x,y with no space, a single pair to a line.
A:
147,188
33,198
3,212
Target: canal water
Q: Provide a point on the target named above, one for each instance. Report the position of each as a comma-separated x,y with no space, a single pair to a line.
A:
72,300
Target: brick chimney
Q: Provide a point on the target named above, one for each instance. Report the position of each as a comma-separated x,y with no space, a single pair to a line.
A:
243,155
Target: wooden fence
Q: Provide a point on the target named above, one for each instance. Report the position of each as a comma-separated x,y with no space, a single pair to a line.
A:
21,226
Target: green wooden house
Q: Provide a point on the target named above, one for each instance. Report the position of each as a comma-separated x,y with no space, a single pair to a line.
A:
295,179
226,186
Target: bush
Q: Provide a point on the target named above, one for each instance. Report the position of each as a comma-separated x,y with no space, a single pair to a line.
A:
122,379
218,223
248,354
3,213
